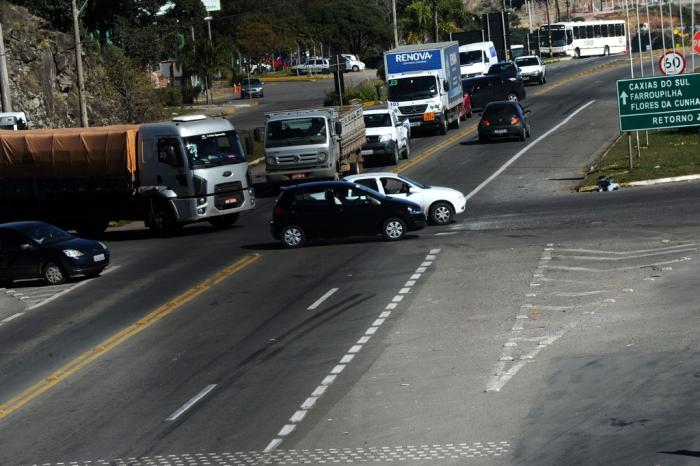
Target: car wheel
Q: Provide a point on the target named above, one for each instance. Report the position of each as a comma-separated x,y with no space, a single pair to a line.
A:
441,213
523,134
393,229
527,132
541,81
394,157
513,97
292,236
53,274
407,151
355,68
224,221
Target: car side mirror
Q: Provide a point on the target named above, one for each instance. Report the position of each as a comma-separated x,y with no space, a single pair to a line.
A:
413,190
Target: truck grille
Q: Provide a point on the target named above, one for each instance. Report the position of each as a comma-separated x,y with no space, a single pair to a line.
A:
411,109
297,158
228,195
372,139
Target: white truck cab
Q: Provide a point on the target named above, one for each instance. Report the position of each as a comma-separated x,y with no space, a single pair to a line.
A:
13,121
475,59
387,136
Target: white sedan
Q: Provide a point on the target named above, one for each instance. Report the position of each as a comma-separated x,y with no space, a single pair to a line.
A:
440,204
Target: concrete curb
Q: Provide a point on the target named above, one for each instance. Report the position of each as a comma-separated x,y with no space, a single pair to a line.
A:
632,184
279,79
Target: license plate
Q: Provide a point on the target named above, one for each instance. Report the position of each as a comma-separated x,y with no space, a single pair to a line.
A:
298,176
230,200
367,152
415,123
99,257
500,131
429,116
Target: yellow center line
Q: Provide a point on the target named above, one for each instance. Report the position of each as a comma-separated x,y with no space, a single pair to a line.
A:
72,367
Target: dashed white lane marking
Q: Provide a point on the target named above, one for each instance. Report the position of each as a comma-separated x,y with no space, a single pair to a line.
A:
462,452
194,400
348,357
524,150
320,300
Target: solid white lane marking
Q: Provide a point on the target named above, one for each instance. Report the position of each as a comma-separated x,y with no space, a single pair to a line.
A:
616,269
11,318
320,300
524,150
631,256
194,400
109,269
638,251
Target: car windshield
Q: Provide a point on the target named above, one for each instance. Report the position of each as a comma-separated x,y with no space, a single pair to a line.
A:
470,57
296,132
419,87
414,182
43,233
501,68
251,82
529,61
214,149
377,120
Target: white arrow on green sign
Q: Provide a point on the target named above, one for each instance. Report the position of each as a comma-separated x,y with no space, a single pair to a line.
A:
659,102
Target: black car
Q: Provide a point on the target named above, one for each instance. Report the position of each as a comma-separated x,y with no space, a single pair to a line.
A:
40,250
339,208
485,89
504,119
505,69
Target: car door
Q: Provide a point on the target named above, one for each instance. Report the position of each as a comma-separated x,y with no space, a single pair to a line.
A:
359,213
313,211
19,257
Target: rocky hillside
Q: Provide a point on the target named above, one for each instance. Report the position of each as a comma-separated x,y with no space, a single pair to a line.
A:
43,80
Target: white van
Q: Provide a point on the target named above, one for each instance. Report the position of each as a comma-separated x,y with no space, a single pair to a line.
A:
475,59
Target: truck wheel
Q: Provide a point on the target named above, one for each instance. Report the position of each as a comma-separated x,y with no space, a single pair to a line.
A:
53,274
292,236
455,123
440,213
394,157
442,129
224,221
407,150
92,229
393,229
162,219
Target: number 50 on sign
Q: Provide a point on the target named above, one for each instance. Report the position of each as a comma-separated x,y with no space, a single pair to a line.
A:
672,63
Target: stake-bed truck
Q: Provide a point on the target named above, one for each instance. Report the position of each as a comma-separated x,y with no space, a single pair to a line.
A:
423,82
167,174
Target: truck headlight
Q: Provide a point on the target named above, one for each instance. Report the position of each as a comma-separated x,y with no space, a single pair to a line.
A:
72,253
385,138
271,160
322,156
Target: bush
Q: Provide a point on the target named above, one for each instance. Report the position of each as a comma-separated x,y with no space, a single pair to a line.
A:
171,96
364,92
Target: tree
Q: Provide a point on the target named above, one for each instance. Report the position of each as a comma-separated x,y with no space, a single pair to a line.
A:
417,21
56,12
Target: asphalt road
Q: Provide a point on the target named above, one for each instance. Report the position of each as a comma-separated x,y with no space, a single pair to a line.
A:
545,327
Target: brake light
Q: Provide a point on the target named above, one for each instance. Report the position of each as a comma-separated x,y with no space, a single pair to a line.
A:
485,122
278,212
515,120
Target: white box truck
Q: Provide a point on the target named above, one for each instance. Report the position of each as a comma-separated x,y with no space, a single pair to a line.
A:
423,83
476,58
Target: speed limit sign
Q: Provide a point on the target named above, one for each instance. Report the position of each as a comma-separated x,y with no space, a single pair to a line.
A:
672,63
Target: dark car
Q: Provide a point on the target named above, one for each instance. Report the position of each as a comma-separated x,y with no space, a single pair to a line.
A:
504,119
338,208
485,89
40,250
252,87
505,69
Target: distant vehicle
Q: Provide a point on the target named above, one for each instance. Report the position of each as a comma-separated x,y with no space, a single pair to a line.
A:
252,87
423,83
167,174
313,143
13,121
485,89
312,66
340,209
475,59
583,38
517,50
503,119
39,250
258,68
439,204
352,63
506,69
532,69
387,137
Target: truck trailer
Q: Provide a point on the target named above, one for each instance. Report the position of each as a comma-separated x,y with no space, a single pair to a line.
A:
423,82
167,174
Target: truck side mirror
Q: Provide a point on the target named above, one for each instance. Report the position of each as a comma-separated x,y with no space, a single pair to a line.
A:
256,135
445,85
338,128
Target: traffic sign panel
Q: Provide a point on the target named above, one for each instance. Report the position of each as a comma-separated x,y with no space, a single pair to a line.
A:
672,63
696,42
659,102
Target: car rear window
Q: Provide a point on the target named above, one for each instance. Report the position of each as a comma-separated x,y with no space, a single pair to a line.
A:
310,197
500,111
532,61
501,68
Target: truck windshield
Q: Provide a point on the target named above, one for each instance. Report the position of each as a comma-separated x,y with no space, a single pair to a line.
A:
296,132
377,120
419,87
214,149
470,57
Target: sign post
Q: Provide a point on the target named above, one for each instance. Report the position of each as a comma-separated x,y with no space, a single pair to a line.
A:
659,102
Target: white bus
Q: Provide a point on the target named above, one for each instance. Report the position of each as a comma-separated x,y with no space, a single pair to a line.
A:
583,38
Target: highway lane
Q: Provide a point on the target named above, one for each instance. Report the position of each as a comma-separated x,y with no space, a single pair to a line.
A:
76,323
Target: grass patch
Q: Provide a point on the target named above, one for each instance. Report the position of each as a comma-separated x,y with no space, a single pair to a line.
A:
669,153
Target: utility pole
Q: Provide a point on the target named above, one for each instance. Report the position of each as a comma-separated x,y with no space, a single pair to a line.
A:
79,66
549,28
396,27
4,79
435,21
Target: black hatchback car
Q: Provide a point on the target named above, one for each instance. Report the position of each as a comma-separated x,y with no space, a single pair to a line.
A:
485,89
40,250
504,119
339,208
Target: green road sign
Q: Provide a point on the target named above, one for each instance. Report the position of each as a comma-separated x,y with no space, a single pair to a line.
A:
660,102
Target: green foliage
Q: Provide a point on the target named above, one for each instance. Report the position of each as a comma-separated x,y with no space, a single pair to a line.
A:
139,99
171,97
417,19
366,91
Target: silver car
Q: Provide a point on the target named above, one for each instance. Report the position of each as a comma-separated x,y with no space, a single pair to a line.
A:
252,87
